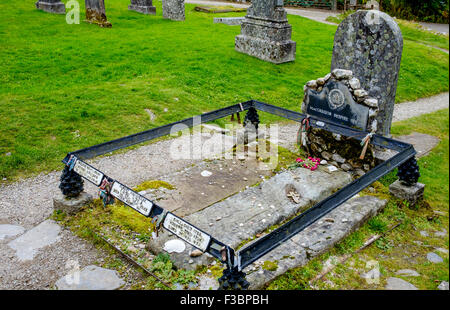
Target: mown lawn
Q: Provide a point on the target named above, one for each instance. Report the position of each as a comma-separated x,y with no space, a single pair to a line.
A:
64,87
404,247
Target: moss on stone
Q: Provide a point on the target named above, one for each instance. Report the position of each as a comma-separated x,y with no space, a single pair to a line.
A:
153,184
270,266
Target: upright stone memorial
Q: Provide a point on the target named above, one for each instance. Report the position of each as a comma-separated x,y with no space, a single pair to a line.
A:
95,13
370,43
173,9
142,6
338,97
359,92
51,6
372,5
265,32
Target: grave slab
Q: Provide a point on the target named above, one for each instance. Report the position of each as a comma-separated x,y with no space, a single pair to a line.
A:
231,21
91,278
142,6
7,230
27,245
51,6
242,216
315,239
221,178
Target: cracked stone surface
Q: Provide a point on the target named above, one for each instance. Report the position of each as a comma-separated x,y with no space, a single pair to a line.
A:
315,239
253,210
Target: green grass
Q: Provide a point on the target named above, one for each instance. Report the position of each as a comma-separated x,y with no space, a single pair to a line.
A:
411,31
65,87
397,250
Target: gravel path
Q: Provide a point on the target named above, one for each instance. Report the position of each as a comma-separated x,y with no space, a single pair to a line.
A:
442,28
314,14
422,106
29,202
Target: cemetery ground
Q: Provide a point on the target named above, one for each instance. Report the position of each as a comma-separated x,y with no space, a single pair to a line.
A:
100,84
72,86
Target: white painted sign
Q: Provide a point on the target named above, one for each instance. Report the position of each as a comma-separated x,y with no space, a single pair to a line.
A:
88,172
187,232
131,198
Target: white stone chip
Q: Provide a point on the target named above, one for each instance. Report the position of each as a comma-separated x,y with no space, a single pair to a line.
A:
175,245
206,173
332,168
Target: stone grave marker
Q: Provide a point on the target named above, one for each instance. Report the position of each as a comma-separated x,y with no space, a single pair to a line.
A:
173,9
51,6
95,13
372,5
338,98
370,43
265,33
142,6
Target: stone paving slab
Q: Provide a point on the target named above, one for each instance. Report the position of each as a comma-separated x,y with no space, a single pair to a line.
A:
27,245
7,230
90,278
399,284
255,209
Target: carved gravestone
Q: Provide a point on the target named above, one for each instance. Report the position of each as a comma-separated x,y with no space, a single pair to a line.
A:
370,43
372,5
142,6
51,6
339,98
173,9
95,13
265,32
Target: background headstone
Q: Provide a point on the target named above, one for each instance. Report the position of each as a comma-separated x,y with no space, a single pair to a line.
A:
51,6
370,43
95,13
173,9
372,5
265,32
142,6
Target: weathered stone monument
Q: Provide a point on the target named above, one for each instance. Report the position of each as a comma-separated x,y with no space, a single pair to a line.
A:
265,32
372,5
370,43
95,13
338,97
359,91
173,9
142,6
51,6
